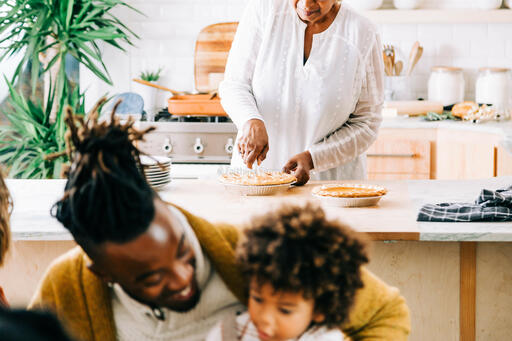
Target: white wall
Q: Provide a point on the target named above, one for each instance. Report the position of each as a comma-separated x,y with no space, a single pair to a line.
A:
169,30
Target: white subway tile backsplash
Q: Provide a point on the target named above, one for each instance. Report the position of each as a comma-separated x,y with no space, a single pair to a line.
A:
438,32
496,46
479,49
469,63
500,31
470,31
399,32
508,49
500,62
170,27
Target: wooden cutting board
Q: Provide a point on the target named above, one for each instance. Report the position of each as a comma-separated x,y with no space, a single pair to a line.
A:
211,54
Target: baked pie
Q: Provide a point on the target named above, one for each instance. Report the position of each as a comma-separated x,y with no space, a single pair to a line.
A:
265,178
349,191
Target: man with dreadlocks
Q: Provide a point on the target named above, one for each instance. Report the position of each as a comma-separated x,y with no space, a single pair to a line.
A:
147,270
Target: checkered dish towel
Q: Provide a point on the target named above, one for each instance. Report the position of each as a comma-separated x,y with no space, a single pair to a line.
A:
490,206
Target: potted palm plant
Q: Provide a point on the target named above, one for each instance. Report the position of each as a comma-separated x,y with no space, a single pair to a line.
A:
148,93
46,31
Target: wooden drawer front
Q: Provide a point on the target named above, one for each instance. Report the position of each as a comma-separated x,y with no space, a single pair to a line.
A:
398,176
397,156
503,162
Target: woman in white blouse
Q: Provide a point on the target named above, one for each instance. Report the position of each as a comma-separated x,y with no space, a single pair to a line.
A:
304,86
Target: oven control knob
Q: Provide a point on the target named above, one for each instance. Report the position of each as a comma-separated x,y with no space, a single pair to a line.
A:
167,146
229,146
198,146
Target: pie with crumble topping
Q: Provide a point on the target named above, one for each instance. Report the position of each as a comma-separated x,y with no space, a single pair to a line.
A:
266,178
349,191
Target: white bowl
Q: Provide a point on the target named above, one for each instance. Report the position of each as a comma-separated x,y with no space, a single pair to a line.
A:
406,4
488,4
154,161
364,5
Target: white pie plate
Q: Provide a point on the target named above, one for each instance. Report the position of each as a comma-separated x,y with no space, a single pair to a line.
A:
158,176
256,190
157,187
153,161
349,202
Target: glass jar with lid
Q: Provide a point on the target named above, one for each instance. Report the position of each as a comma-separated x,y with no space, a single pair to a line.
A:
493,86
446,85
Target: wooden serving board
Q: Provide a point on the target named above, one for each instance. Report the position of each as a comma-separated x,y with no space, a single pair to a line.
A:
211,54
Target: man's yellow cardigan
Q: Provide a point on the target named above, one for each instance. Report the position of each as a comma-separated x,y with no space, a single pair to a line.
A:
82,301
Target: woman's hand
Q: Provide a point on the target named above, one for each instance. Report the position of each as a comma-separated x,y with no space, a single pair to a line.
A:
3,300
300,164
253,143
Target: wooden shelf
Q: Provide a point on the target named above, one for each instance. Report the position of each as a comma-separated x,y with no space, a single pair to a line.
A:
439,16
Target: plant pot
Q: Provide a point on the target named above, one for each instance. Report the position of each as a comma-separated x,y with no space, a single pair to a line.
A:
148,95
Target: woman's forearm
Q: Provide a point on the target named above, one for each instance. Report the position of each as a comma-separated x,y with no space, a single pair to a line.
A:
350,141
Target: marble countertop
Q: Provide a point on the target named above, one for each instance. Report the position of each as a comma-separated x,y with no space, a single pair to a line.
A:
405,122
33,199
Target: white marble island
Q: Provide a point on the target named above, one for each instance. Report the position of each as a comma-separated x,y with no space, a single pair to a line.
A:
33,199
436,266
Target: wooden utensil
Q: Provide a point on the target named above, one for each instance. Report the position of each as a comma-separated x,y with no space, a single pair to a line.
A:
174,92
414,56
399,65
388,66
414,108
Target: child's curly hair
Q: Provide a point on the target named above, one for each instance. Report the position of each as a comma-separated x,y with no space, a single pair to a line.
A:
296,249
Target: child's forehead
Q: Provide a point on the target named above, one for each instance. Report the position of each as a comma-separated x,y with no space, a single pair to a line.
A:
267,289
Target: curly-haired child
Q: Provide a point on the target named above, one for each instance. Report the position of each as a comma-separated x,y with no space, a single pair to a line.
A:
303,271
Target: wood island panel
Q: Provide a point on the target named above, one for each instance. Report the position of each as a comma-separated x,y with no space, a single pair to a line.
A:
427,274
467,291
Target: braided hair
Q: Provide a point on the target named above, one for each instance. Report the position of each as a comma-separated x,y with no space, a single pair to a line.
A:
107,197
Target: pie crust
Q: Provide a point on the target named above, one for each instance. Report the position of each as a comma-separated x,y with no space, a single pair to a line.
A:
266,178
349,191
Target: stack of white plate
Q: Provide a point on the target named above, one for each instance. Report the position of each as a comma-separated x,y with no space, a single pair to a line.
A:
157,170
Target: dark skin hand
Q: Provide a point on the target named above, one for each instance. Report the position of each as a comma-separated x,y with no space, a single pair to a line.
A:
301,164
253,143
3,299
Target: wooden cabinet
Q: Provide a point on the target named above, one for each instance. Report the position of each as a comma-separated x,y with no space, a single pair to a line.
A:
437,154
394,159
401,154
503,161
465,154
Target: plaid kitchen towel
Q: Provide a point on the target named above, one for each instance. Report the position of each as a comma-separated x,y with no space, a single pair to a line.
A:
490,206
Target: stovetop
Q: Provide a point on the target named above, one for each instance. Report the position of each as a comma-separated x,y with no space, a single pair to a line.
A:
164,116
190,139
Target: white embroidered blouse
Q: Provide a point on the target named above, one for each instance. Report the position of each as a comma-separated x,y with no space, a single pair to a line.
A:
330,105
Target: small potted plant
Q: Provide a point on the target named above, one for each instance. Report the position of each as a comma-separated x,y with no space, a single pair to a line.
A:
147,92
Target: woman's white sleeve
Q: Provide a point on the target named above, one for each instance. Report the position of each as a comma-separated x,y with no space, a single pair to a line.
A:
235,90
360,130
